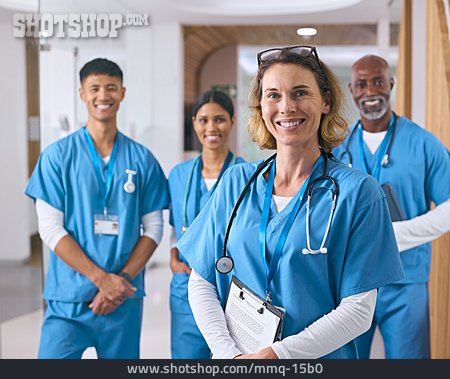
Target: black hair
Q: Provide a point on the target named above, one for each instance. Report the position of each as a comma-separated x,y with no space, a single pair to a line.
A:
100,66
213,96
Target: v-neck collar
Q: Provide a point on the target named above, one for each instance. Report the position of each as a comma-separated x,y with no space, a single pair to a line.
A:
277,219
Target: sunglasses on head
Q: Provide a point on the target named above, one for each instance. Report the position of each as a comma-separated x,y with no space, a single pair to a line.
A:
275,53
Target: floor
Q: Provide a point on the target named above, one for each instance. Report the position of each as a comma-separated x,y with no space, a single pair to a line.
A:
21,312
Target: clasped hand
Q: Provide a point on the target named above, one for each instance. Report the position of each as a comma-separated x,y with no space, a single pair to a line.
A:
112,292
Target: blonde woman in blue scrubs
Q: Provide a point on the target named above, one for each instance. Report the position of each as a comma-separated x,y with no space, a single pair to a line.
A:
322,264
191,184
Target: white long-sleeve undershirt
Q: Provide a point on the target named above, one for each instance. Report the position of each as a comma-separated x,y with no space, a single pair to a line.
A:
424,228
352,317
51,224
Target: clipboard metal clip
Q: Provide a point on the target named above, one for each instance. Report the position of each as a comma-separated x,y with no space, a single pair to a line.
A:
263,306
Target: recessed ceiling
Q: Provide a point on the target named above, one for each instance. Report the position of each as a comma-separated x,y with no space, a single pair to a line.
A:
20,5
229,12
260,7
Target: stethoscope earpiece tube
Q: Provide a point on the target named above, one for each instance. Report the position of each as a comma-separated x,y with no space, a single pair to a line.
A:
224,256
225,264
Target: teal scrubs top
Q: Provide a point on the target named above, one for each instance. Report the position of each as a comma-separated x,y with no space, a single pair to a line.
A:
362,252
178,189
65,178
419,172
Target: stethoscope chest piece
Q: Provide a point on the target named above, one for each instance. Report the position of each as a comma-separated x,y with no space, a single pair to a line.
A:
224,264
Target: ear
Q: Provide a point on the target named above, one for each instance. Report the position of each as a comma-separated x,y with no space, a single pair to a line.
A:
327,105
233,121
350,88
391,83
81,92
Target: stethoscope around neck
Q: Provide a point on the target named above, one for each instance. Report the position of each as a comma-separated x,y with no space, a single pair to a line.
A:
225,263
385,160
230,160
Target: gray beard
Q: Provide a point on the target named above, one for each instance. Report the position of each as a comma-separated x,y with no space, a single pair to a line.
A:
370,113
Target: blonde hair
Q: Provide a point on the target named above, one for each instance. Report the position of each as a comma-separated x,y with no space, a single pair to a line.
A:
333,127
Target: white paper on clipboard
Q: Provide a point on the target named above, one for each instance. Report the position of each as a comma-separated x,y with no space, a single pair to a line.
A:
252,322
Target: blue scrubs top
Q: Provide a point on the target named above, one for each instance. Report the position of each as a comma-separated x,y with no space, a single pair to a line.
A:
362,252
65,178
419,172
178,180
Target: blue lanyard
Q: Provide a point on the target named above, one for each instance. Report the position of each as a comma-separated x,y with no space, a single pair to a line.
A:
375,171
105,187
197,164
270,270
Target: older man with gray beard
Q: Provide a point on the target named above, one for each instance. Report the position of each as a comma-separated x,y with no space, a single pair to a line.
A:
413,168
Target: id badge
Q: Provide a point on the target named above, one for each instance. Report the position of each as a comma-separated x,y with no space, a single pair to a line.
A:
106,225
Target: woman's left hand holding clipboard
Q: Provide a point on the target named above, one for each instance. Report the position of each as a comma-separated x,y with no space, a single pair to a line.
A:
266,353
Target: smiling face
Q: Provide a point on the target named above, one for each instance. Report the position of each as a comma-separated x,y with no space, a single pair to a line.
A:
102,95
371,86
292,105
213,125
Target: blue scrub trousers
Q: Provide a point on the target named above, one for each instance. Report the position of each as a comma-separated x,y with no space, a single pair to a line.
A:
402,315
70,328
187,341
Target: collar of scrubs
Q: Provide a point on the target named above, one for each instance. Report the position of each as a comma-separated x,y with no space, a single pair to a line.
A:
375,169
105,186
271,268
197,165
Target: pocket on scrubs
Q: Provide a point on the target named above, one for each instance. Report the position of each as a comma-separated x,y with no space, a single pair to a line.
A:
179,293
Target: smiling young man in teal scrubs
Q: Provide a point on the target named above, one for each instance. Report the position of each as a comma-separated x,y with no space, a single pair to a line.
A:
397,151
94,190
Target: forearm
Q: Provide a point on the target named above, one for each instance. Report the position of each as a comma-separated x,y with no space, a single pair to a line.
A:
173,238
68,250
424,228
351,318
152,224
174,254
142,252
210,318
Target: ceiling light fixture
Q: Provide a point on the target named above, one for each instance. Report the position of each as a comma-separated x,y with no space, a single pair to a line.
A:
306,32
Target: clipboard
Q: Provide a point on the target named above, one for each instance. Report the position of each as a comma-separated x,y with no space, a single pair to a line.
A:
252,322
395,209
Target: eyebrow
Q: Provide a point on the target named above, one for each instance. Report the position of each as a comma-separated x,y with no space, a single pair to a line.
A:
300,86
106,85
216,115
374,78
